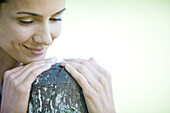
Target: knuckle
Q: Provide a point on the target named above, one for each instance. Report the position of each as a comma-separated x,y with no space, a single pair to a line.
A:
34,72
32,64
22,89
79,78
6,74
81,67
98,88
103,80
87,93
10,77
14,83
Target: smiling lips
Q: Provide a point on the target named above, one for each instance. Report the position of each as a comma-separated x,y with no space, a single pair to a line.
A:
35,51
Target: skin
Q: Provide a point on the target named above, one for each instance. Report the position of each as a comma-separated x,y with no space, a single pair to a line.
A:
95,82
21,61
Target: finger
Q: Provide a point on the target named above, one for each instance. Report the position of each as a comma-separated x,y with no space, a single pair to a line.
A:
16,78
74,60
49,60
86,63
98,76
97,66
106,79
19,71
84,71
78,77
30,67
27,82
9,72
98,72
10,75
91,61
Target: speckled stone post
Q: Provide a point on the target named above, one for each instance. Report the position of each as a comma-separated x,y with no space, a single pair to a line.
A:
55,91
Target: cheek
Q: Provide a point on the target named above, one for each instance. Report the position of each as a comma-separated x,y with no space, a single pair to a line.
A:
21,34
56,30
14,34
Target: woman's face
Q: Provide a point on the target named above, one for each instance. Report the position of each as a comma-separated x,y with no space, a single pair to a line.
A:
28,27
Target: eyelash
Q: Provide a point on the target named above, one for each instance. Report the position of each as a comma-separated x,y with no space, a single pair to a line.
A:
58,19
26,22
30,22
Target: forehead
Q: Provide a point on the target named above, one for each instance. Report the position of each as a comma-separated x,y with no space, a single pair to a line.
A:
43,7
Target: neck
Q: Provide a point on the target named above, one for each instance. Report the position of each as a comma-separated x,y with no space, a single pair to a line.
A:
6,63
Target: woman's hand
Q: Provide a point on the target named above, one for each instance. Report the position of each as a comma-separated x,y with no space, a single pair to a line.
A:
95,83
17,85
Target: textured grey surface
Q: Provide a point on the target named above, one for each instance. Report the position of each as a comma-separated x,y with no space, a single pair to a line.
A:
55,91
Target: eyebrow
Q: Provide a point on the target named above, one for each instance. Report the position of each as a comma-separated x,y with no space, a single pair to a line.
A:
34,14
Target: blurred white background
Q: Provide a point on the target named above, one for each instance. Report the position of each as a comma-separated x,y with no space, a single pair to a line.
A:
131,39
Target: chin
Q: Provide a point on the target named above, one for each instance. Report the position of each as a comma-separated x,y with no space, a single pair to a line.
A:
27,60
27,57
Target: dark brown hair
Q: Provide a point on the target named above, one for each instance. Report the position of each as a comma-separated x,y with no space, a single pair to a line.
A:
3,1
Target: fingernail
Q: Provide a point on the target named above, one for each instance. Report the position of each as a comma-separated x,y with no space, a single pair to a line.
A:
53,59
67,65
48,65
63,61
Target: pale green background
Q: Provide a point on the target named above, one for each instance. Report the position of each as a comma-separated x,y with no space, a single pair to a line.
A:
131,39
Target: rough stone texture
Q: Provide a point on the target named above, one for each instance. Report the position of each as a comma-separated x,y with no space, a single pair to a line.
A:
55,91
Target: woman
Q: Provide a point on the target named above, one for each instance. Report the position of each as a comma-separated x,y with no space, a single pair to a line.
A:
27,29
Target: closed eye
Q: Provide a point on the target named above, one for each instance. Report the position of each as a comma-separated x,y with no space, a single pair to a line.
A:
26,22
56,19
32,21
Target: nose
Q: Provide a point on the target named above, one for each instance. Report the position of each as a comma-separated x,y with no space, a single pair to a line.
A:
43,35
